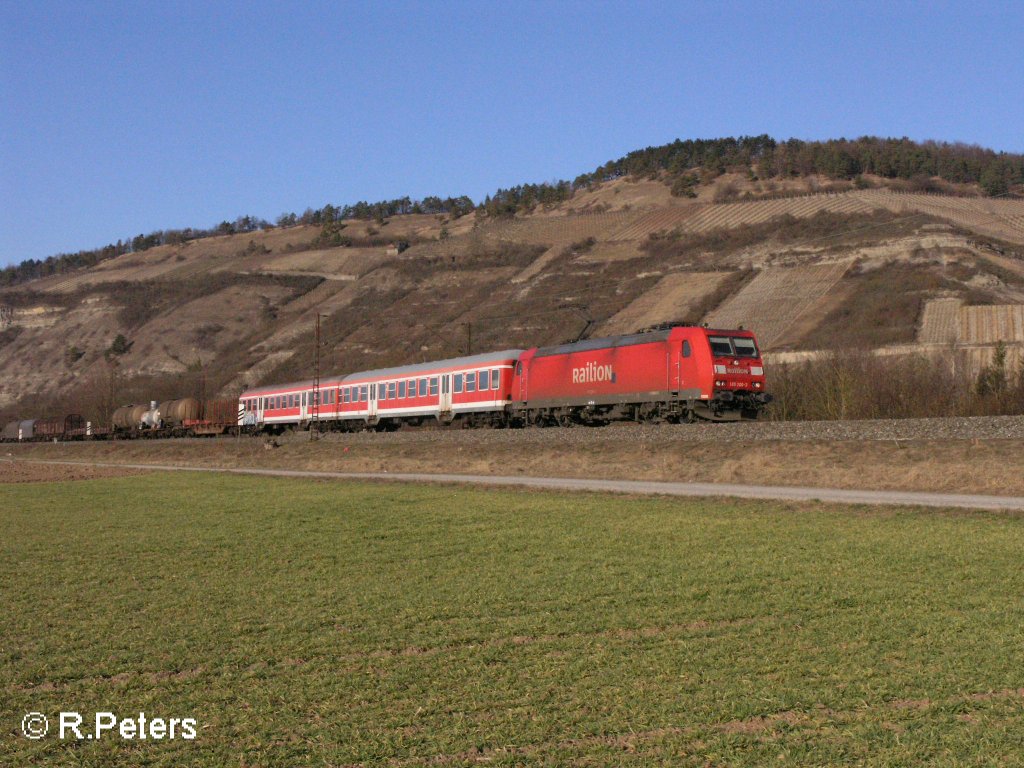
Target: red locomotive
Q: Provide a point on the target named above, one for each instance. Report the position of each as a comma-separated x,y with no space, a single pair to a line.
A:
676,374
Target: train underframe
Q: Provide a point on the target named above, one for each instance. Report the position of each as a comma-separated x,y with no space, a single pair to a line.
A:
724,406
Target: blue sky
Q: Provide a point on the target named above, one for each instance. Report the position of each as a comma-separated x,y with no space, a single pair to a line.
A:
121,118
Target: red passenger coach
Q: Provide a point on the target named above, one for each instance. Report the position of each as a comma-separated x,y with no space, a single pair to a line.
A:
676,374
472,390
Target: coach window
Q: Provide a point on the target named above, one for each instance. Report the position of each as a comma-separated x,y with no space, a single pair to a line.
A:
401,390
433,385
391,391
485,380
362,394
305,399
494,378
686,349
423,388
457,384
471,382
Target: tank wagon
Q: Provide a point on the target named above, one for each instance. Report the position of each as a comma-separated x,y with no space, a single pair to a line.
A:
176,418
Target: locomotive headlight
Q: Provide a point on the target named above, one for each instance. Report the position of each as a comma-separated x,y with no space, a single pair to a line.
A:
757,370
757,385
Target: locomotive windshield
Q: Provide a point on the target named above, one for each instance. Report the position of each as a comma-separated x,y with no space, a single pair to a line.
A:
744,347
732,346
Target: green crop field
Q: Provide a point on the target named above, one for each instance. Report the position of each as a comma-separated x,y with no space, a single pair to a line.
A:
308,623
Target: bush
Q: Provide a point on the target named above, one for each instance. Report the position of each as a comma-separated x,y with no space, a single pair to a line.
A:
862,385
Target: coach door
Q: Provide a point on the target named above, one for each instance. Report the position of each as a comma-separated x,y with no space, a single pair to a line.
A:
371,404
445,403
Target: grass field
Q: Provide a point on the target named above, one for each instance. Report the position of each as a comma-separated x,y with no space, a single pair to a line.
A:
307,623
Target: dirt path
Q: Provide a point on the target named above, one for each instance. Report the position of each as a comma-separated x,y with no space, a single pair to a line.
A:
48,472
833,495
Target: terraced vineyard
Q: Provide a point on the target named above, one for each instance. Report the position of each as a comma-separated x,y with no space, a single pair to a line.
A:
940,322
670,300
776,298
988,325
561,229
1000,218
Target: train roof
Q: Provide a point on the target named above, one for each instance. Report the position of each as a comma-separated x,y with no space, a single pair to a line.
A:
394,372
605,343
453,362
609,342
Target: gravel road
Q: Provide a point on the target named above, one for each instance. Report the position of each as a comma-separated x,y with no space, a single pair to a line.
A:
642,487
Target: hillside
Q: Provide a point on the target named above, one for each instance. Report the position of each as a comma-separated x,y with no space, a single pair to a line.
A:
873,267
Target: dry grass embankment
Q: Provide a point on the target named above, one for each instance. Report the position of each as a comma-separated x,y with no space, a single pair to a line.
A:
955,466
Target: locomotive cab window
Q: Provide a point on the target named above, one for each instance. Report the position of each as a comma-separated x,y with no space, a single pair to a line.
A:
686,348
458,383
720,346
744,347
